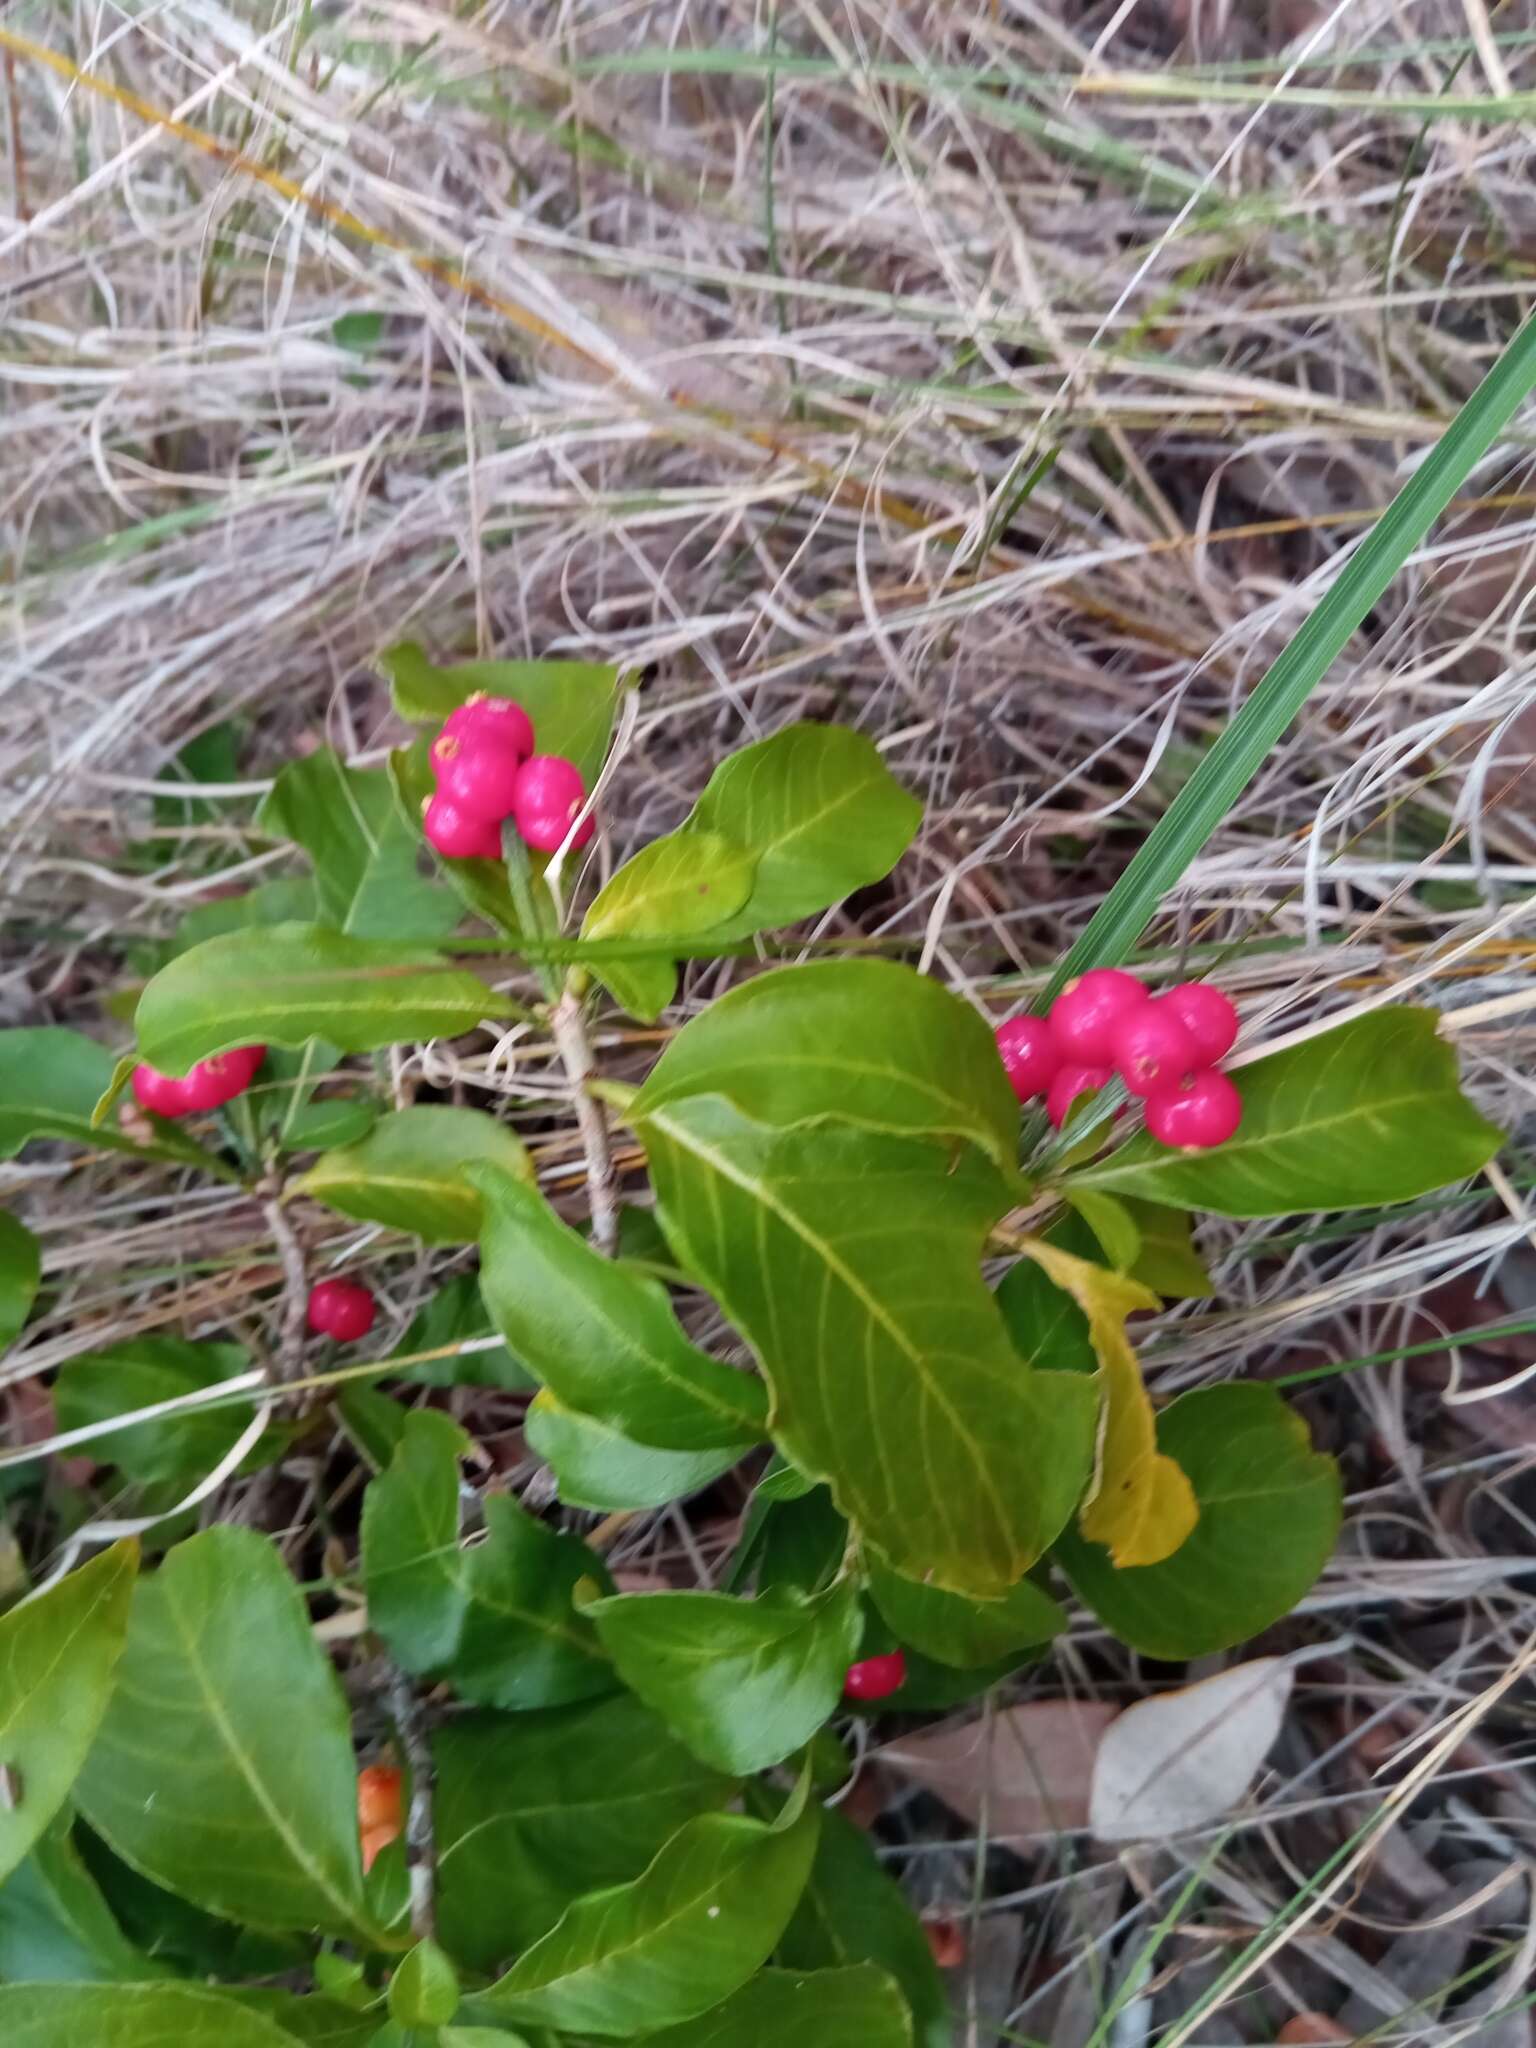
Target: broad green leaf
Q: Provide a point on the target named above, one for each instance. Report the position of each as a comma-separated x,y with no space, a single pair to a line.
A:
679,1939
51,1080
602,1337
363,853
1269,1516
571,703
1366,1114
851,1260
860,1041
819,813
424,1989
139,1372
532,1810
494,1618
224,1767
1167,1261
21,1268
410,1171
744,1682
166,1927
860,2007
678,887
55,1926
59,1652
851,1912
1139,1503
303,982
800,1543
375,1422
130,2016
1048,1328
966,1633
292,899
457,1315
1111,1223
598,1467
479,2037
315,2022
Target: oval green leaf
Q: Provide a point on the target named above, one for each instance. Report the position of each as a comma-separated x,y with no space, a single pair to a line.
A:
130,2016
21,1268
598,1467
965,1633
677,888
860,2007
424,1989
133,1375
409,1172
55,1926
571,703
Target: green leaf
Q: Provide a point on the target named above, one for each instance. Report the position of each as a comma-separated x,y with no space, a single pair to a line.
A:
966,1633
859,2007
859,1041
676,887
852,1912
457,1315
166,1927
224,1767
364,854
130,2016
136,1374
337,1120
55,1926
496,1618
679,1939
851,1260
1114,1231
316,2022
1167,1261
59,1651
21,1268
602,1337
375,1422
289,900
1226,770
598,1467
481,884
819,813
424,1990
571,703
743,1682
1269,1517
51,1080
1048,1328
532,1810
1365,1114
303,982
410,1171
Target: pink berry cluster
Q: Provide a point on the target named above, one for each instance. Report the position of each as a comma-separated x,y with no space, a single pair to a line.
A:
210,1083
486,771
1164,1048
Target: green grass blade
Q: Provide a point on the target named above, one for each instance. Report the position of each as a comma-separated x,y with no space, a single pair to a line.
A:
1232,762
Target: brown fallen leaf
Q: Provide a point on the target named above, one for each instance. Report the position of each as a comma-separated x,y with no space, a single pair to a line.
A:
1025,1772
1313,2027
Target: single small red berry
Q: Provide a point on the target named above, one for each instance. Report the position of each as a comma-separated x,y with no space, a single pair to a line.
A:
1084,1015
1030,1055
1069,1084
208,1085
497,718
1207,1015
454,832
165,1094
480,778
1201,1112
876,1678
1152,1047
550,793
340,1309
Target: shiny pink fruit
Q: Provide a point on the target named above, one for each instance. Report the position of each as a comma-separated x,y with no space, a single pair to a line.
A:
876,1678
477,776
1071,1082
1030,1055
1085,1014
1152,1048
1207,1015
491,718
549,795
341,1309
1203,1111
455,833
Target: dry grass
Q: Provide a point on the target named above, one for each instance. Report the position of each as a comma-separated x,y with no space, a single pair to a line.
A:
487,328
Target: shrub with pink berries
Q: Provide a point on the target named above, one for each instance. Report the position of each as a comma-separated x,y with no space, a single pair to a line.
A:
486,771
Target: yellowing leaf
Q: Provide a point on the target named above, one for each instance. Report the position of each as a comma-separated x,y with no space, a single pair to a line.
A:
1140,1504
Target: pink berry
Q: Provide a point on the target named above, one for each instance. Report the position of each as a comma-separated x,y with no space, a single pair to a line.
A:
476,775
494,718
1203,1111
165,1094
1152,1048
876,1678
454,832
1030,1055
1084,1015
550,792
1207,1015
215,1081
340,1309
1069,1084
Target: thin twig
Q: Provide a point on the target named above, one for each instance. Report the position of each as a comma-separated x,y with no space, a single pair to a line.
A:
290,1342
568,1027
420,1838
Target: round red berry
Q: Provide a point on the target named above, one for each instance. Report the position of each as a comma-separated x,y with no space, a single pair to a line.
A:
1085,1014
1201,1112
549,795
1152,1047
496,718
477,776
1207,1015
341,1309
1030,1055
454,832
165,1094
876,1678
1070,1082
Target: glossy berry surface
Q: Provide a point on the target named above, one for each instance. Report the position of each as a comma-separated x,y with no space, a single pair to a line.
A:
1030,1055
1152,1048
1071,1082
455,833
1207,1015
340,1309
1084,1015
549,794
1204,1111
165,1094
208,1085
477,776
491,718
876,1678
